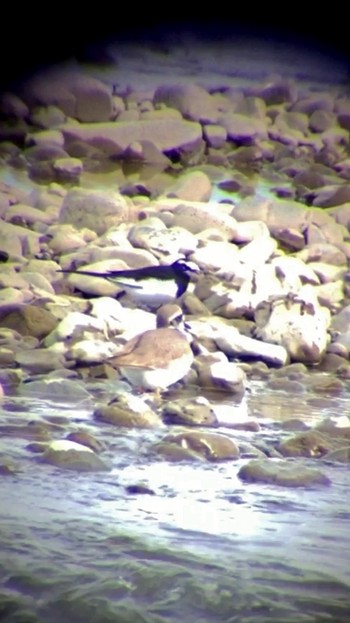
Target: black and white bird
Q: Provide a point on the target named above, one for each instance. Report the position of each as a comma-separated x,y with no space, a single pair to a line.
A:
150,285
157,358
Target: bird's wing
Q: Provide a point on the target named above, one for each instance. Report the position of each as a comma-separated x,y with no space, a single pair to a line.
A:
152,349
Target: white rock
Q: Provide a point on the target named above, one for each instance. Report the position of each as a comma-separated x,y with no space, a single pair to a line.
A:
73,325
258,251
215,255
110,312
172,241
296,322
291,269
91,351
196,216
63,445
246,231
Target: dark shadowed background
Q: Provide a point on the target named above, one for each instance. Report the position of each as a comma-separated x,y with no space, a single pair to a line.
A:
34,38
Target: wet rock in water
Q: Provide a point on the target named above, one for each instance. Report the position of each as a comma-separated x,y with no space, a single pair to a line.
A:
310,443
10,377
29,320
139,489
85,438
56,390
127,410
338,425
189,412
37,447
341,455
210,446
39,360
332,363
294,424
95,209
8,468
286,385
324,383
74,456
281,473
294,371
223,375
166,450
39,431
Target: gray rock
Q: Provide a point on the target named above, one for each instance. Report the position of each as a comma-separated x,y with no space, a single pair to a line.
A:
68,169
311,443
96,210
210,446
56,390
151,234
193,101
189,412
128,411
341,455
114,138
282,473
18,241
77,95
29,320
215,135
221,375
39,360
242,128
197,216
191,186
73,456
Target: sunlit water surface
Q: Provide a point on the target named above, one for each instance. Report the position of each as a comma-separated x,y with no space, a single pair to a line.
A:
205,547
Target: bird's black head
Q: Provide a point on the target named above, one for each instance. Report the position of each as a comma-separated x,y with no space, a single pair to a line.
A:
184,267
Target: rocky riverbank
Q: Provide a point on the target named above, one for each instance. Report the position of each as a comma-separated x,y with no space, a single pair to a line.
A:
250,183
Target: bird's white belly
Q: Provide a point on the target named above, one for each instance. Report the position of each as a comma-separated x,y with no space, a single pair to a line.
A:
160,378
153,293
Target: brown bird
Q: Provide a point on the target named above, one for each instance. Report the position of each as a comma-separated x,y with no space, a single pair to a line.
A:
159,357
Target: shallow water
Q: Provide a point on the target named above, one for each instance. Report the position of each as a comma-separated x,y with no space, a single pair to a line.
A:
205,547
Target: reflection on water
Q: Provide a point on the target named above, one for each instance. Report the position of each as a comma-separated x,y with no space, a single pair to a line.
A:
205,547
